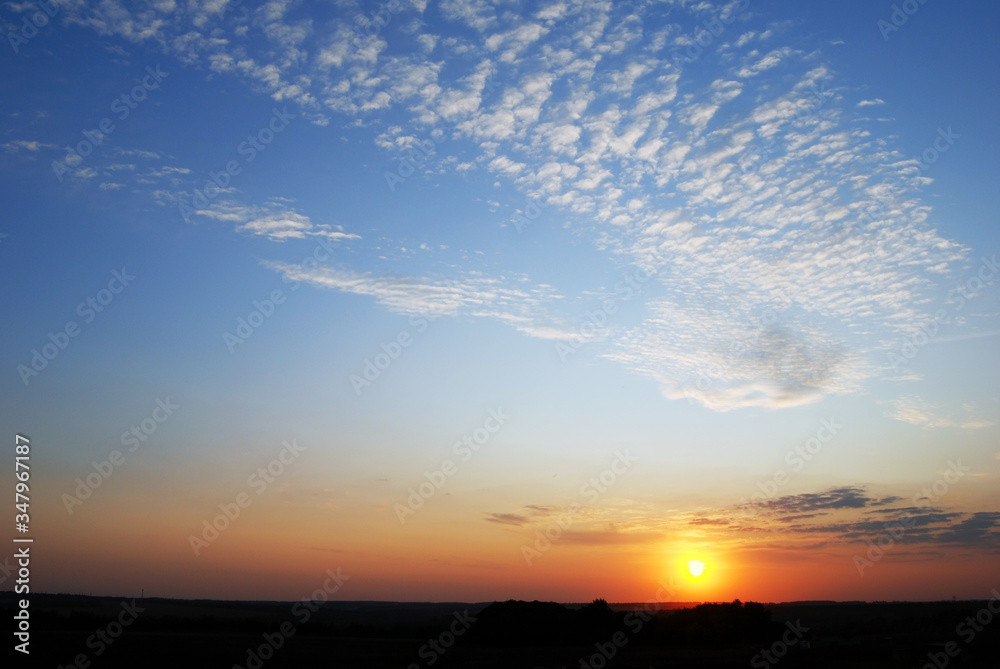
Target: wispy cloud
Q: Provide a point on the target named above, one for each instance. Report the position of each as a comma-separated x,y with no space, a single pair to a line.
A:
28,145
917,411
506,519
272,220
510,301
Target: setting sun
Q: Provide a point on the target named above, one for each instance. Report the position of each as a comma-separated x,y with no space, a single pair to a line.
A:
696,567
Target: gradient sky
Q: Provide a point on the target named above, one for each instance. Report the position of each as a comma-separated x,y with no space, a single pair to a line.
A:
735,262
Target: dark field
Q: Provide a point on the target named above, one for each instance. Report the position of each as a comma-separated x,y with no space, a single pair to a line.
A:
70,630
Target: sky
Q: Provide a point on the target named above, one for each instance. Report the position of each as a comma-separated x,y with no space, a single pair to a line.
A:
482,300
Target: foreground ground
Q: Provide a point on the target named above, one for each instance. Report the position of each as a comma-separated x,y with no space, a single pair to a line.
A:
96,632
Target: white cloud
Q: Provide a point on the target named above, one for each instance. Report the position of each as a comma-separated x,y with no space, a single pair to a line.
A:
469,294
32,146
512,43
783,200
478,14
766,62
917,411
285,225
273,221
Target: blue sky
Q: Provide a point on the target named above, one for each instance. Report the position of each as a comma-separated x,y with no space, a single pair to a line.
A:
695,229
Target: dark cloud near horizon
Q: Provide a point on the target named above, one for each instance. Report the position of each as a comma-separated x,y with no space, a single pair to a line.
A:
909,525
976,529
835,498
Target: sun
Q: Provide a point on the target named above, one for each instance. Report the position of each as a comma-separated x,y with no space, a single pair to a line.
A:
696,567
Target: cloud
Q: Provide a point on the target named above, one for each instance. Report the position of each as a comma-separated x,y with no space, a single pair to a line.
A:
506,519
787,243
914,410
32,146
766,62
603,534
610,536
835,517
513,42
278,227
511,302
751,35
477,14
977,529
272,220
405,295
535,513
851,513
871,103
836,498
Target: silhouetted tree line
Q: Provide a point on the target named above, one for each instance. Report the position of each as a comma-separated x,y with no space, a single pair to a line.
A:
883,630
545,623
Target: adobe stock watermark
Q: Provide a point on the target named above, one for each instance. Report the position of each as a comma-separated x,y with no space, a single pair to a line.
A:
760,325
895,530
705,36
218,182
886,201
102,639
898,17
797,458
432,651
377,364
380,18
909,346
967,630
420,152
806,108
468,446
259,482
944,141
597,319
974,284
46,10
123,106
302,611
591,491
635,620
245,327
264,309
419,156
87,310
766,657
223,7
133,437
7,569
524,217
